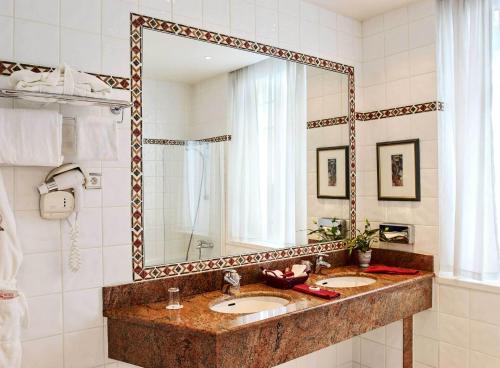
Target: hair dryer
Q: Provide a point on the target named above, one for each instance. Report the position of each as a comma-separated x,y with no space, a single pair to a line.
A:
57,203
73,179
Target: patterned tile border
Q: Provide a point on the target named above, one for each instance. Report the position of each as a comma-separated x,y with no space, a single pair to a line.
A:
137,26
177,142
9,67
220,138
400,111
380,114
327,122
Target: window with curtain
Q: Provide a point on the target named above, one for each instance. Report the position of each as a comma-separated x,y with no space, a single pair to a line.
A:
267,163
469,138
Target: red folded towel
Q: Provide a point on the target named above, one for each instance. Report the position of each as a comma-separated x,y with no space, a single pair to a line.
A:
325,294
390,270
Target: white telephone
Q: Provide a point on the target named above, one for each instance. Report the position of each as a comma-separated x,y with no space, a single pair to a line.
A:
60,196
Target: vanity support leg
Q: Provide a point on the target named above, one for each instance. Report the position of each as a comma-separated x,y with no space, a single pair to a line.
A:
408,342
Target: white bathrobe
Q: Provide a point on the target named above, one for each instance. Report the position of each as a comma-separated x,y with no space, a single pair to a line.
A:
13,311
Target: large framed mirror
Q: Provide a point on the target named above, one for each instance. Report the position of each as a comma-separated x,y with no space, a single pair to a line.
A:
241,152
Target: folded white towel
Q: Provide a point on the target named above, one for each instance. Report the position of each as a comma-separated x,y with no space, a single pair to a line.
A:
62,80
30,137
96,139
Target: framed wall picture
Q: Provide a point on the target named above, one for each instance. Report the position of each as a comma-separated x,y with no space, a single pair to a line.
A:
398,170
332,172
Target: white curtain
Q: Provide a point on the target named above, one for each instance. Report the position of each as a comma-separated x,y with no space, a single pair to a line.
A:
267,164
468,218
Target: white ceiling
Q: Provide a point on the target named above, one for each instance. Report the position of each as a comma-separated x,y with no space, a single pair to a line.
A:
180,59
361,9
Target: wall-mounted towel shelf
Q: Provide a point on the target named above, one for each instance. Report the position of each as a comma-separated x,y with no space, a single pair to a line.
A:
115,106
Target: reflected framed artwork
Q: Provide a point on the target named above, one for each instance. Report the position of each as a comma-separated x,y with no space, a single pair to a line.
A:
398,170
332,172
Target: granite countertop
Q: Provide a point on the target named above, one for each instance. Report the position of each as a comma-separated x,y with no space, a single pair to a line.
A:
197,317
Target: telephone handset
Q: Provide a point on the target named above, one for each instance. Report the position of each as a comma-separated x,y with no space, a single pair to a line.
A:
60,196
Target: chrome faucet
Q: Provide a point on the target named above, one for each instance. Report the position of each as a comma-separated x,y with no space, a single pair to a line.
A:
231,282
320,263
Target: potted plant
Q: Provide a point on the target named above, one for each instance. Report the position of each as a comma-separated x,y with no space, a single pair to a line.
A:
329,233
362,244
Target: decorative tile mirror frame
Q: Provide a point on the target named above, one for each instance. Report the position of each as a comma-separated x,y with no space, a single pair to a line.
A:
142,272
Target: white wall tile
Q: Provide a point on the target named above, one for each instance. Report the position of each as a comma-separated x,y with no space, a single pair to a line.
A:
484,307
116,226
115,56
116,17
90,273
84,349
454,301
189,12
82,16
43,353
243,19
117,264
426,351
394,335
42,50
373,47
373,26
422,32
216,13
35,265
7,7
485,338
396,40
309,12
423,88
266,25
6,38
46,11
82,309
75,46
397,66
372,354
454,330
289,31
483,361
426,324
45,316
115,187
453,356
394,358
395,18
289,7
36,234
421,9
328,19
423,60
26,194
309,37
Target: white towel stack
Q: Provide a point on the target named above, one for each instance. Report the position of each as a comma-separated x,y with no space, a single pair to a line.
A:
63,80
30,137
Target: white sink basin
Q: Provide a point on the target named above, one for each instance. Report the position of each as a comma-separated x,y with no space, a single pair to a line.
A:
249,304
346,281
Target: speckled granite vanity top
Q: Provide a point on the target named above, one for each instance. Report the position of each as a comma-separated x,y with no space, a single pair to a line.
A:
197,316
142,332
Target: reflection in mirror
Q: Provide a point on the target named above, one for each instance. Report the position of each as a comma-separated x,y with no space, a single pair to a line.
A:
230,140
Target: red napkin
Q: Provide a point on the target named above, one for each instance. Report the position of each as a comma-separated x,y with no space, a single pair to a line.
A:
325,294
390,270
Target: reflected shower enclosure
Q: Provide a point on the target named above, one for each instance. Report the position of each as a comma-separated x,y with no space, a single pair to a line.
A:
186,209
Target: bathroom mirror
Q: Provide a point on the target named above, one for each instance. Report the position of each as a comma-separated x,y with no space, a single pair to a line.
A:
229,149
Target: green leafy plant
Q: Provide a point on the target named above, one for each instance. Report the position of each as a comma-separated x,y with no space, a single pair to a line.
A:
329,233
363,240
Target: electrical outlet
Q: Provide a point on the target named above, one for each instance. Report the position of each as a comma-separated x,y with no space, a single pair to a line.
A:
94,181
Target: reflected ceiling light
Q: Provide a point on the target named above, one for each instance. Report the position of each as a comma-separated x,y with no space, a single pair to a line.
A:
208,58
